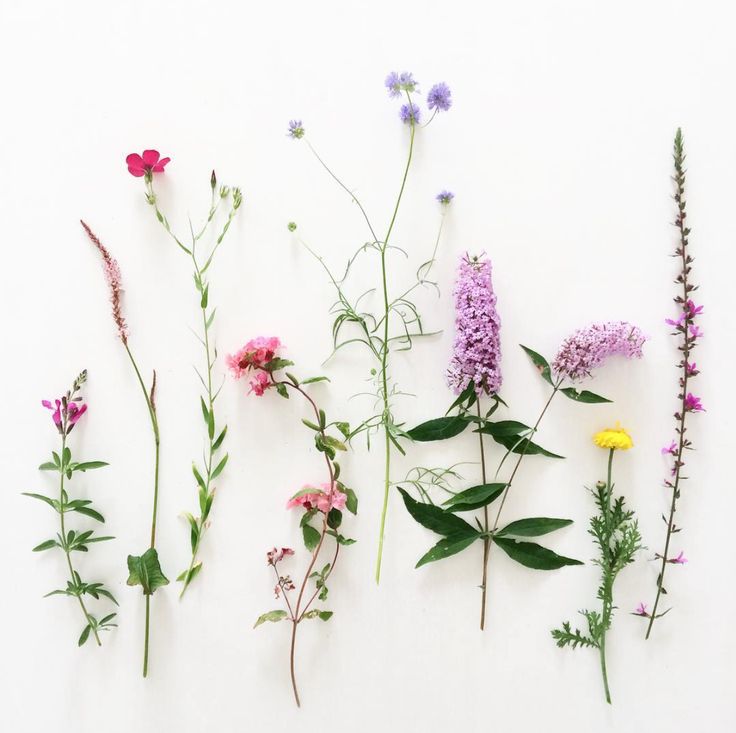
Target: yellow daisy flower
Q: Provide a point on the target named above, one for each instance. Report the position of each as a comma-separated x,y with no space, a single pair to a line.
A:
613,439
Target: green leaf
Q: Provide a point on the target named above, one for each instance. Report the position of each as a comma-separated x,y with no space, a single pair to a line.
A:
316,613
220,438
84,635
474,497
89,465
503,428
46,546
51,502
220,466
272,616
532,555
351,503
440,428
590,398
205,411
189,575
48,466
282,390
311,537
334,518
312,380
446,547
145,571
467,395
344,428
89,513
540,362
199,478
533,527
205,297
437,519
334,443
524,446
310,424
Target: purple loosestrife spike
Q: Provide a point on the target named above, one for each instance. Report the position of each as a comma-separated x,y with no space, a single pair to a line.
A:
439,97
477,348
589,348
409,112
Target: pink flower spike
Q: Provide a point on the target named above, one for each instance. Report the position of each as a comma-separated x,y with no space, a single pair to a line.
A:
679,560
146,164
641,610
670,449
693,403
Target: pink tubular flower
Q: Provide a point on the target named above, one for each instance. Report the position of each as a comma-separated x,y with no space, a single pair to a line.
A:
274,556
641,610
56,409
147,164
323,498
693,403
65,414
254,355
670,449
589,348
695,332
693,310
679,560
74,412
259,384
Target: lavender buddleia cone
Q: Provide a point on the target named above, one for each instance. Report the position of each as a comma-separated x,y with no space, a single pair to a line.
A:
477,347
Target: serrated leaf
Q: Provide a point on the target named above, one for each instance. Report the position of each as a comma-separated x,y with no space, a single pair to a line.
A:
474,498
533,527
532,555
272,616
446,547
145,570
584,395
441,428
437,519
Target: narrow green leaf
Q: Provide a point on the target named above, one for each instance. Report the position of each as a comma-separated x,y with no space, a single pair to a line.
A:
310,424
199,478
84,635
503,428
540,362
272,616
584,395
220,466
89,513
47,499
205,411
474,497
533,527
446,547
312,380
46,546
220,438
89,465
440,428
532,555
48,466
437,519
523,446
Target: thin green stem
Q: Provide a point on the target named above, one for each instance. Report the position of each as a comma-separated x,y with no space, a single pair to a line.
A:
486,540
607,600
146,635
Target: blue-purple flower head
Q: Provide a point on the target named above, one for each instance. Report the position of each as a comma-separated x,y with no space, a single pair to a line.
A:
397,83
445,197
296,129
410,113
589,348
476,352
439,97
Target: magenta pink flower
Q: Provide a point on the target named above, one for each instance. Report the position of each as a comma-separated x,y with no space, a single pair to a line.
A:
670,449
145,165
693,310
65,416
254,355
675,322
259,384
692,369
695,332
323,498
641,610
74,412
679,560
693,403
56,409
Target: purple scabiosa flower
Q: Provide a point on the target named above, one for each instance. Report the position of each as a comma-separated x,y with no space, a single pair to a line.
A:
477,348
588,348
445,197
410,113
439,97
397,83
296,129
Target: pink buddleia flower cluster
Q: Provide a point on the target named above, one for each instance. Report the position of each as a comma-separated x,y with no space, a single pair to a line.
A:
477,348
253,358
589,348
323,498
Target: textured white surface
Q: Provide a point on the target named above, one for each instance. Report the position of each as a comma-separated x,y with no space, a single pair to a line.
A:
558,147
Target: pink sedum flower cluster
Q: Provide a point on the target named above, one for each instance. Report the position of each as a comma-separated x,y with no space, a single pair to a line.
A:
253,358
323,498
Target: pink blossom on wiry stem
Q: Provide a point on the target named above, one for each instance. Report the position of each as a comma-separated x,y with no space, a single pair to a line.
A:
641,610
589,348
679,560
146,164
477,348
670,449
114,283
323,498
254,357
65,411
275,556
693,403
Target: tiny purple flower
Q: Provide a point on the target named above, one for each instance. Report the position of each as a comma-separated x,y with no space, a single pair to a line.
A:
679,560
641,610
296,129
693,310
439,97
670,449
692,369
397,83
695,332
445,197
410,114
693,403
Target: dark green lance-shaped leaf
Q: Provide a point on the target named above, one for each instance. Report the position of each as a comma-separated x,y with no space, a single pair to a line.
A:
84,635
89,465
311,537
48,466
540,362
590,398
351,502
447,546
533,526
503,428
199,478
220,438
523,446
89,513
440,428
145,571
272,616
467,395
474,498
47,499
437,519
46,546
220,466
532,555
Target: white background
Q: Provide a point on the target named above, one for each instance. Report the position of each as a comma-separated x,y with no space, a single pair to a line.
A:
558,147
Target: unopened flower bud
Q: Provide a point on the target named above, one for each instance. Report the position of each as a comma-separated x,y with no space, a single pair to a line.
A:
292,226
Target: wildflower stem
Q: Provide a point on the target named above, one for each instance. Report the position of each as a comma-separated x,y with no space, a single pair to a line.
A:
386,417
685,260
486,539
608,567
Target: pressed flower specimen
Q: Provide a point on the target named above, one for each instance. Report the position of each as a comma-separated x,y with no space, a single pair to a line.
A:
395,323
66,413
205,473
144,570
688,334
617,537
477,357
322,503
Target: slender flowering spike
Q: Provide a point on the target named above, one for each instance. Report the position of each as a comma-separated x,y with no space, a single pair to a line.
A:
296,129
114,282
445,197
147,164
410,113
439,97
477,348
589,348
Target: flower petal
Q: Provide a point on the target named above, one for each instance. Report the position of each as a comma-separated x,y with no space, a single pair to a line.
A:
159,167
150,157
